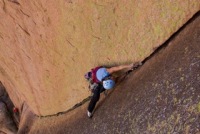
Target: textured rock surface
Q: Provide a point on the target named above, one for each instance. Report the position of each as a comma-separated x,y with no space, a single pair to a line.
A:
161,97
46,46
26,120
6,123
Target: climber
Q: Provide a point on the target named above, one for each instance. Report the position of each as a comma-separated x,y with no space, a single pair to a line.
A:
101,79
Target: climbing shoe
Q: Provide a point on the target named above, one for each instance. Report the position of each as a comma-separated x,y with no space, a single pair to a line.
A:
89,114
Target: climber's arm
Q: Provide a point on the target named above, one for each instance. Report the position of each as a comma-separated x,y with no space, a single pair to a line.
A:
118,68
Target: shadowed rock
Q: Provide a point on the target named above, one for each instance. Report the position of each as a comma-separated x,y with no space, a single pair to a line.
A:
6,123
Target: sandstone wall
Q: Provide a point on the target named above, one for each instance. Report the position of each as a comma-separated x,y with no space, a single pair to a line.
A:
46,46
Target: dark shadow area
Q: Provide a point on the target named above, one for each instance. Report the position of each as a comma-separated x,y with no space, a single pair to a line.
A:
8,118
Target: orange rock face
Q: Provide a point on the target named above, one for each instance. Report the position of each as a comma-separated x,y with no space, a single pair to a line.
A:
47,46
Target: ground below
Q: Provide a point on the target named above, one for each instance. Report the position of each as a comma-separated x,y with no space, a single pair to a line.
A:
162,96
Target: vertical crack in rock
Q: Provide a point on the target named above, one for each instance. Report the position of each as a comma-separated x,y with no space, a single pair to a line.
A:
69,1
26,54
72,45
24,13
96,37
12,17
14,1
1,36
24,30
4,6
34,22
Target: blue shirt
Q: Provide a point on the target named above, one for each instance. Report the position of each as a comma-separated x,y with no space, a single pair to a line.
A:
101,73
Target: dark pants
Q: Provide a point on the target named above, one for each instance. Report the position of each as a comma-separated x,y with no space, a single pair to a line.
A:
96,95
